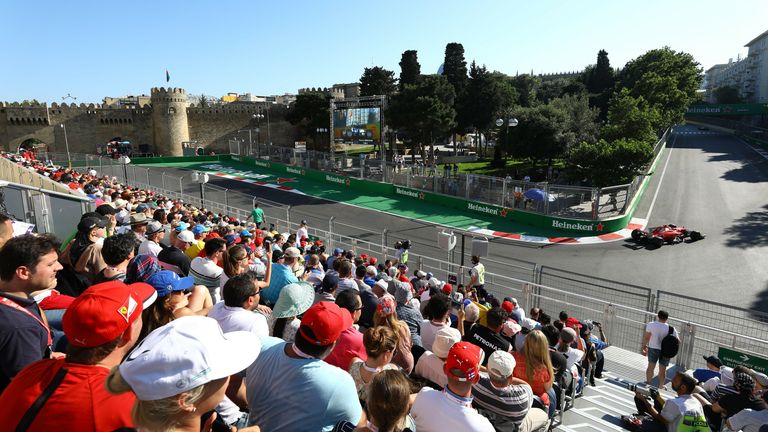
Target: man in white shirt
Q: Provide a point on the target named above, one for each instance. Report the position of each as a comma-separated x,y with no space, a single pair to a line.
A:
430,364
238,313
151,245
655,331
302,232
451,409
205,270
672,413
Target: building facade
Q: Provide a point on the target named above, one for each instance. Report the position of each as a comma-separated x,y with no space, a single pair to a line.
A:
748,75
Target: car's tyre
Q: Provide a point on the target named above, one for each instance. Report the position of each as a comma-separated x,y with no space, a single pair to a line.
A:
695,235
637,234
657,242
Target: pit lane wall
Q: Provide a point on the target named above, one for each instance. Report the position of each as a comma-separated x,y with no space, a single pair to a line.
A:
559,226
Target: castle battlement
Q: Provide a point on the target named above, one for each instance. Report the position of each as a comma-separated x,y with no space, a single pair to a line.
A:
171,91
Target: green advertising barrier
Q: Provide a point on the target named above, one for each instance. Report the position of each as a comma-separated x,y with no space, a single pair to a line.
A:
727,109
565,226
174,159
734,358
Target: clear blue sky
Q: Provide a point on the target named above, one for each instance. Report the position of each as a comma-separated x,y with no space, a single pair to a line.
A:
93,49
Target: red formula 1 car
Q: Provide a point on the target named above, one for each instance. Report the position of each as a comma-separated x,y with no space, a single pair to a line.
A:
670,234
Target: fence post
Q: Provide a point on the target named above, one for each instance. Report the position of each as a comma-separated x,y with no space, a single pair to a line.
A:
226,198
609,313
467,178
330,233
162,180
288,218
384,233
686,352
504,193
527,296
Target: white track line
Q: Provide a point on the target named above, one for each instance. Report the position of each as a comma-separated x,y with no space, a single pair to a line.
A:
661,179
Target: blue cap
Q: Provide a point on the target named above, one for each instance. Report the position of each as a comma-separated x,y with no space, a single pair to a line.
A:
430,275
142,207
166,282
232,239
199,229
182,226
338,251
245,233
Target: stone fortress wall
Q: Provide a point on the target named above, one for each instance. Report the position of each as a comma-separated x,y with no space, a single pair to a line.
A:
162,126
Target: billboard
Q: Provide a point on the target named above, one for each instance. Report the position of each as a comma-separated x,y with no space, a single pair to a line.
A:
357,125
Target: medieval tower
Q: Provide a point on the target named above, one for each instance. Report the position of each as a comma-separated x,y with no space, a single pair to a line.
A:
170,127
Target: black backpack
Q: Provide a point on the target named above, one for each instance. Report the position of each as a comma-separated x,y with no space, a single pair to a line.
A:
670,344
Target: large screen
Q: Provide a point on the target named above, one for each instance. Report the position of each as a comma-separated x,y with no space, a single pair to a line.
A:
357,125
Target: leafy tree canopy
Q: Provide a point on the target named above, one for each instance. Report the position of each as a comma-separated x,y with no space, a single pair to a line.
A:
311,110
727,95
630,117
410,69
377,81
607,163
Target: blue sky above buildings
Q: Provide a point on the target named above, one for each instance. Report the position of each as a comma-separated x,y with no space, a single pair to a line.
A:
92,49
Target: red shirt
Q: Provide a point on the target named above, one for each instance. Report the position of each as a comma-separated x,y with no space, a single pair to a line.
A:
540,377
349,346
80,403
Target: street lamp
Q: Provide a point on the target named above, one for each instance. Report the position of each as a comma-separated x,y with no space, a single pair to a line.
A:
66,144
258,118
201,178
124,161
322,130
511,122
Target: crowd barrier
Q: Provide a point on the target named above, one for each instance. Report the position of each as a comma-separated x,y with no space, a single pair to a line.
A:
623,308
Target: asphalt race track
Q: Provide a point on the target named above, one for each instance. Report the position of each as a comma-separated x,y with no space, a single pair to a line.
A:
707,181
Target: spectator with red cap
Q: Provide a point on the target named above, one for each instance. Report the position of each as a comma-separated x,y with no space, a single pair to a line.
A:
102,325
350,342
290,388
451,409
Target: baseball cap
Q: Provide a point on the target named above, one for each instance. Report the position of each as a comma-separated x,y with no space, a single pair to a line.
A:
294,299
371,270
447,289
403,291
184,354
120,203
277,255
402,266
326,321
329,283
713,361
89,223
199,229
138,219
338,251
465,357
245,233
444,340
186,236
232,239
507,306
166,282
182,226
292,252
154,226
420,274
511,328
501,364
104,311
572,322
142,208
761,379
303,221
386,305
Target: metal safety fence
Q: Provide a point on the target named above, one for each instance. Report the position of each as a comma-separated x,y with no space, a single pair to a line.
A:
624,309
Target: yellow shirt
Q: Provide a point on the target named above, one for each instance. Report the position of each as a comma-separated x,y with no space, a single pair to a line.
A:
195,249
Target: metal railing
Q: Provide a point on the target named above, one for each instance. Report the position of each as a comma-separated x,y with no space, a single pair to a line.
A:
623,308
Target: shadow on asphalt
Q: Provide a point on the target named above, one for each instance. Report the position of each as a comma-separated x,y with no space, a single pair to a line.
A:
761,304
749,231
746,173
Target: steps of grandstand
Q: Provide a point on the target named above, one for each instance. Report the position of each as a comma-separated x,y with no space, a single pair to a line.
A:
600,408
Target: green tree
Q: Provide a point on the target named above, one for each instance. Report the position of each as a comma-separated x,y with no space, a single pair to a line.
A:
310,111
727,95
423,111
666,79
630,117
377,81
607,163
487,93
455,67
410,69
600,83
526,86
581,121
538,135
31,102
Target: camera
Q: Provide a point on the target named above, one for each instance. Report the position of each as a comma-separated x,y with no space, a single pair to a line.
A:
651,392
404,244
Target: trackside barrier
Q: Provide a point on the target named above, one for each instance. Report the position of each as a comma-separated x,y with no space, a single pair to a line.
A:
624,309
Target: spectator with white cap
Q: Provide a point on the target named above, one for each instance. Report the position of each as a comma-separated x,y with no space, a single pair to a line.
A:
175,253
430,364
507,401
302,232
181,371
452,409
102,325
153,236
286,377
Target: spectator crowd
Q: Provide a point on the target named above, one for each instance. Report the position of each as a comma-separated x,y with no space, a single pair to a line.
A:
156,315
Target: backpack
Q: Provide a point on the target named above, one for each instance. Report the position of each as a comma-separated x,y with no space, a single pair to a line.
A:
670,344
